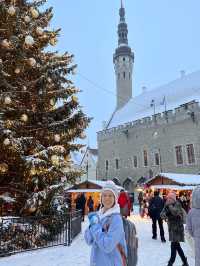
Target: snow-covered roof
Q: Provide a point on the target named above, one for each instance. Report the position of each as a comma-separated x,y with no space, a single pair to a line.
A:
175,93
7,198
186,179
173,187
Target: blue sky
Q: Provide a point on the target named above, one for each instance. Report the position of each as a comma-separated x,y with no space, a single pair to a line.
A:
164,35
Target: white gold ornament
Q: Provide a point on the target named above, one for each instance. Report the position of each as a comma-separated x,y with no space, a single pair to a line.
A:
11,11
34,13
27,19
5,43
39,31
31,62
63,179
57,137
7,100
17,70
3,167
55,159
74,98
24,88
29,40
52,102
6,141
24,118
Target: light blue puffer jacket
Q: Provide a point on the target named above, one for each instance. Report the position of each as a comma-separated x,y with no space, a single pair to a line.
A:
104,238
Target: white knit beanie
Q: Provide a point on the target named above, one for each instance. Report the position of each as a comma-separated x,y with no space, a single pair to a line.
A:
110,185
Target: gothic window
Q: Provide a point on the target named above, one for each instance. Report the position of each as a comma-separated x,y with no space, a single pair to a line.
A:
124,59
190,153
118,75
145,158
135,162
106,165
129,75
124,74
117,163
179,154
157,159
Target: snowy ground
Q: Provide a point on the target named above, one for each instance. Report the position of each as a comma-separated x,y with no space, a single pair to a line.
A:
151,252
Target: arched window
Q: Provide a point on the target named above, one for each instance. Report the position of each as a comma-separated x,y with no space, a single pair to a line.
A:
124,74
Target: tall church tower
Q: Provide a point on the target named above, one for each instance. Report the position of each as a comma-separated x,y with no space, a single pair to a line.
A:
123,60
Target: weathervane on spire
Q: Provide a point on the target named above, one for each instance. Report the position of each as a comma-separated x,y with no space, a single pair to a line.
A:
122,4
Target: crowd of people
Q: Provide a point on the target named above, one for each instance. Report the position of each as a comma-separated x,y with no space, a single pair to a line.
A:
113,237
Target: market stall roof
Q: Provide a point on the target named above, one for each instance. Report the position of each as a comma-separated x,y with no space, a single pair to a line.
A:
174,179
89,185
173,187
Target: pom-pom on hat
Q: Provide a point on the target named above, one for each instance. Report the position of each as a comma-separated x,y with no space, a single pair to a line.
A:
110,185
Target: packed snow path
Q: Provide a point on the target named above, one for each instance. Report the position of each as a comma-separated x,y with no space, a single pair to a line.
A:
151,252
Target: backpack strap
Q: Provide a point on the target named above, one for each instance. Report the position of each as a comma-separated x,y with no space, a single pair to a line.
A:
119,247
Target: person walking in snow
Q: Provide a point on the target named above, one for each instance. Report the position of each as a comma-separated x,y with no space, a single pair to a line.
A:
193,223
174,214
156,205
105,232
124,203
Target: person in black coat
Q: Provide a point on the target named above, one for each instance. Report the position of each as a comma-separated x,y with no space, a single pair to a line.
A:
156,206
80,204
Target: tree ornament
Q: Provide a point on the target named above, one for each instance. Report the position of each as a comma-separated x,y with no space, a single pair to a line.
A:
1,61
17,70
6,141
53,41
34,12
39,31
11,11
57,137
3,167
29,41
52,102
27,19
49,80
5,43
24,118
7,100
24,88
74,98
31,62
55,159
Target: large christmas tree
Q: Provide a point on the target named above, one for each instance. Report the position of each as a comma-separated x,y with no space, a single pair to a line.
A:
40,117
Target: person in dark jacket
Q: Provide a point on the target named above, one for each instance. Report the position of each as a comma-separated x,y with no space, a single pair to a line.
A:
174,214
156,206
90,204
80,204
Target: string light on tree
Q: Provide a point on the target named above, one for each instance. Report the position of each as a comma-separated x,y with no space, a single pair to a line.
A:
53,41
7,100
24,118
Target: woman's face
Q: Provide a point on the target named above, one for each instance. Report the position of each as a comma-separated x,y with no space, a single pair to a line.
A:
108,199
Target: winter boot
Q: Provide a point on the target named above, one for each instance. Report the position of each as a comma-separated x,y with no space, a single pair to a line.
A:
163,240
170,264
186,262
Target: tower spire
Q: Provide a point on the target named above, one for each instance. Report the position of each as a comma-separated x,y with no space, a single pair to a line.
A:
122,4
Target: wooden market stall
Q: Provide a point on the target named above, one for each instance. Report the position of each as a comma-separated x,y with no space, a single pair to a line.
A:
89,188
180,183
